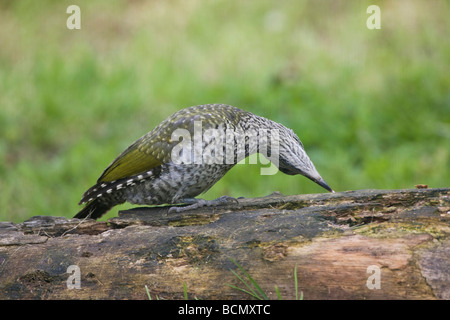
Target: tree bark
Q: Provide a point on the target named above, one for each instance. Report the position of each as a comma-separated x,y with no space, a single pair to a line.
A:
366,244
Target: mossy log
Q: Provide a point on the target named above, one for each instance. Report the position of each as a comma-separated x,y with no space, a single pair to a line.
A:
366,244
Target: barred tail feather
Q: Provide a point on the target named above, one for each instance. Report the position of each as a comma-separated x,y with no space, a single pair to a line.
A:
106,194
105,188
94,209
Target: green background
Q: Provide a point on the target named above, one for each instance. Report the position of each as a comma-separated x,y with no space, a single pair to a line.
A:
372,107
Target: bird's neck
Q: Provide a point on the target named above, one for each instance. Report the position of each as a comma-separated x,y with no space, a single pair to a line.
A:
262,135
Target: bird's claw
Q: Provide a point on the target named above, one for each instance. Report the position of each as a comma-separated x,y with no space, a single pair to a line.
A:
199,203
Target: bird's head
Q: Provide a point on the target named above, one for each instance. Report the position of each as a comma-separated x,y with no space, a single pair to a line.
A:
292,158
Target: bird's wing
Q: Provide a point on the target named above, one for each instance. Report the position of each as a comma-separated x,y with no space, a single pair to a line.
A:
154,148
143,155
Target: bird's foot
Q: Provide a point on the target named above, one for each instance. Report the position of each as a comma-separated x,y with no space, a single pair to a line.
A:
199,203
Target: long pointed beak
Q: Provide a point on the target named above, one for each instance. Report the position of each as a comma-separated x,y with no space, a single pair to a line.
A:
324,185
317,179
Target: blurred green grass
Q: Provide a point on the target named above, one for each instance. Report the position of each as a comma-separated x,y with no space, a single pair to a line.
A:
372,107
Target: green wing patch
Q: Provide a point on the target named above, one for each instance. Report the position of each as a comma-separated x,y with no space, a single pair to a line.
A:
154,148
134,160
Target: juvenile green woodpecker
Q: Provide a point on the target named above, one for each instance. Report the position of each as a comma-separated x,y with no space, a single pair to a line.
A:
188,153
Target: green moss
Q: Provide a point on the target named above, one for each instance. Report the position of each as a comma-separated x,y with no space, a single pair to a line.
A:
195,249
193,220
396,229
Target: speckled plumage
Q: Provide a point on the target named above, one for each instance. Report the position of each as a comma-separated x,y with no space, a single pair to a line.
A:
145,172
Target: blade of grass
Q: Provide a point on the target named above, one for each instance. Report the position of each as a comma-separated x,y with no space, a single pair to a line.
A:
243,290
296,285
278,293
148,293
185,291
296,282
251,291
252,281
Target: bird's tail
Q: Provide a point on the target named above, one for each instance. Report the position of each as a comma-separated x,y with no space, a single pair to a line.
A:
94,209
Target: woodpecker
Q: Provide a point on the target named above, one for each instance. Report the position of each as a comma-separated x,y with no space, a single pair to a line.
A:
187,153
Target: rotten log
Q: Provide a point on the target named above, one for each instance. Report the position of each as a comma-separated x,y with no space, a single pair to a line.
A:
366,244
